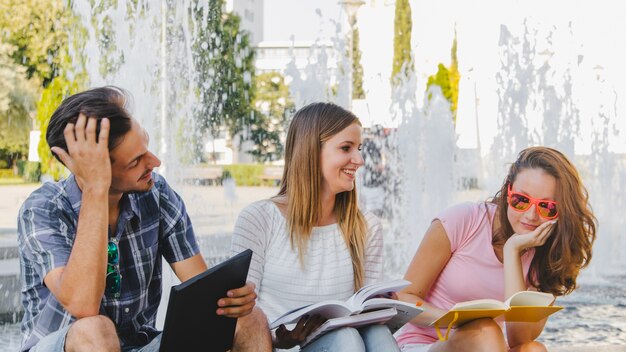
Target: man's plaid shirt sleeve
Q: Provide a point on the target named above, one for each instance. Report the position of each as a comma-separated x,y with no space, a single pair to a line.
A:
178,241
43,237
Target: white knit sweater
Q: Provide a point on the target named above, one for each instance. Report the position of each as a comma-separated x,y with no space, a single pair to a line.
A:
282,283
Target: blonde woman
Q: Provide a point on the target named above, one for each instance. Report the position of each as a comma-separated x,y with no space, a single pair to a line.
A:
311,242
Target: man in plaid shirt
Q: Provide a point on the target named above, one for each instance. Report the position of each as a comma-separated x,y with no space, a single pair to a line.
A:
91,245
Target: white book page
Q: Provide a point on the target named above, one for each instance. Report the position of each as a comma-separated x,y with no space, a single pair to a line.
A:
406,311
530,298
380,303
480,304
327,309
366,292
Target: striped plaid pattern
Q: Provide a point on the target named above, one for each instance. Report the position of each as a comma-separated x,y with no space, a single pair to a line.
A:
151,225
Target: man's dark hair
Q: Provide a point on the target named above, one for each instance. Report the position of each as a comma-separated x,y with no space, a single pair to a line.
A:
108,101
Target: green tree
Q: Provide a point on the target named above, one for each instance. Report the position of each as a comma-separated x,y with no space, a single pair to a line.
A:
448,79
272,105
52,96
39,29
103,28
402,57
224,63
357,68
17,100
35,36
38,32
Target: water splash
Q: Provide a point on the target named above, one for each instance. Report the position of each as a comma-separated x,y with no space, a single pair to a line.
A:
538,105
422,171
326,75
146,48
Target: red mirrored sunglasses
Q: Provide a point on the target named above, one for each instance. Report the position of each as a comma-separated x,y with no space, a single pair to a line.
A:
521,202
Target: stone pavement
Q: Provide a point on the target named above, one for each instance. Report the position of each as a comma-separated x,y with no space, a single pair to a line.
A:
11,198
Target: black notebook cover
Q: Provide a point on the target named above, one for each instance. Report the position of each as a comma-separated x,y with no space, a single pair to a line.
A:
191,323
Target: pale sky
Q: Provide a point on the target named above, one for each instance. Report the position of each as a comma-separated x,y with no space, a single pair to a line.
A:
286,18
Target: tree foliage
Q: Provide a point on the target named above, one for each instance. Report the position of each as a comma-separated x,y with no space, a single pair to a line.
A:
39,29
402,58
357,68
52,96
34,51
448,79
272,105
223,60
103,29
17,99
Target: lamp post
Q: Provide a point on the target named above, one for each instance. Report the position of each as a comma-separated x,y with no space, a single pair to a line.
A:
351,7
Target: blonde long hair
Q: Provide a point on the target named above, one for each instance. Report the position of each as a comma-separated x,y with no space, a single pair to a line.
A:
557,262
302,181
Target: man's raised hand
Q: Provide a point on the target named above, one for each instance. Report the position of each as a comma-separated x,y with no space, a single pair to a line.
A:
88,157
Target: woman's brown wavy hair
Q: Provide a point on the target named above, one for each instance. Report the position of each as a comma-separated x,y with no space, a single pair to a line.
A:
301,183
557,262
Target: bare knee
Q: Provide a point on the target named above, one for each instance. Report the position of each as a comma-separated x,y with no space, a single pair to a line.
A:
532,346
478,335
486,328
93,334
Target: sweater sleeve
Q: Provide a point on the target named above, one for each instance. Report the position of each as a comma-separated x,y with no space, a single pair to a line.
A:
252,231
374,250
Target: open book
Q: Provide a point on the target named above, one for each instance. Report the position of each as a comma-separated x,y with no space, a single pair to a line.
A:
524,306
361,309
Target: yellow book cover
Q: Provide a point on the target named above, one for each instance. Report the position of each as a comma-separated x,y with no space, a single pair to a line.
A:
530,313
524,306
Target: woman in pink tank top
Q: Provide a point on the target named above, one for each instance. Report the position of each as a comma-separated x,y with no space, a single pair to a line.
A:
535,234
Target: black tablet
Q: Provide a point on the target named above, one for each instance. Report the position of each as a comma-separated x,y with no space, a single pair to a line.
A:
191,323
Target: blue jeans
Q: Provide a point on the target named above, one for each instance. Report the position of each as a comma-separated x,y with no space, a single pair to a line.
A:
152,346
55,342
373,338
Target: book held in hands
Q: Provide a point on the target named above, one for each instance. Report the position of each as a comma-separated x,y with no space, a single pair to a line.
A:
191,323
365,307
524,306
